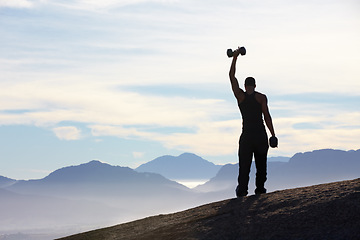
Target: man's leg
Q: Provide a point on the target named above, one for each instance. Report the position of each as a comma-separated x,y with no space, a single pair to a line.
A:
245,159
261,165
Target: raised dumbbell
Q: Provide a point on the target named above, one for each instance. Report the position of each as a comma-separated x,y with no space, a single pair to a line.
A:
230,52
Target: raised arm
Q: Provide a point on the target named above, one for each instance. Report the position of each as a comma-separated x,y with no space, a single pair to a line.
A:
238,92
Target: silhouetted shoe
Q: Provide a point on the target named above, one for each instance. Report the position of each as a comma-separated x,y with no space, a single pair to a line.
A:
259,191
240,193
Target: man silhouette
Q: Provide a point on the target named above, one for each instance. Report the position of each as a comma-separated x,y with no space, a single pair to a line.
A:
253,140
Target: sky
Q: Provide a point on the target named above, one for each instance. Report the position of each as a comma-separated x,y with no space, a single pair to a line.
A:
125,82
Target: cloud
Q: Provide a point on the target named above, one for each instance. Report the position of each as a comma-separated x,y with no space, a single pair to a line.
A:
213,125
98,6
16,3
67,133
118,131
80,67
210,138
100,103
334,129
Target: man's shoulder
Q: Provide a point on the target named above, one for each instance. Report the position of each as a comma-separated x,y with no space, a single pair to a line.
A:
260,97
259,94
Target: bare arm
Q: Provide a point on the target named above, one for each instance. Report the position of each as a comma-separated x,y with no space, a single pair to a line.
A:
267,116
238,92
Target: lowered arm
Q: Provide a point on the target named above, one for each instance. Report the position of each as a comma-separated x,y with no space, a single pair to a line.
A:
267,116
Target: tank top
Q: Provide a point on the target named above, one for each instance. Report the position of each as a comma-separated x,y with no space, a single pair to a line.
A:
251,113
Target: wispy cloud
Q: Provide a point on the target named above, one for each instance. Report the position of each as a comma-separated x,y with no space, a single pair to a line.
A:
83,5
67,133
16,3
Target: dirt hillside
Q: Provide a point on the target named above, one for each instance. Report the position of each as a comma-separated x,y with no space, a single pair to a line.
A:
327,211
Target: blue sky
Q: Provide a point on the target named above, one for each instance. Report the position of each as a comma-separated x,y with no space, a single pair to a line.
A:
127,81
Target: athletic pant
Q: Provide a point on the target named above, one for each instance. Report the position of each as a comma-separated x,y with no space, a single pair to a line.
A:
252,144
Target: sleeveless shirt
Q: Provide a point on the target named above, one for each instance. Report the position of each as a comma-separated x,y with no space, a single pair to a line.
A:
251,113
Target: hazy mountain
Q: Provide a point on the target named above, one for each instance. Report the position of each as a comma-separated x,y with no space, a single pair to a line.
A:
91,194
5,182
112,185
303,169
96,178
327,211
185,166
319,166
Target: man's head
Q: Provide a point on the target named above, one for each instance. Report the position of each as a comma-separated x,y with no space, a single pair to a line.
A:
250,82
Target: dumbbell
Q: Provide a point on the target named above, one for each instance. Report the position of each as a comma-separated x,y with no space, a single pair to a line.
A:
230,52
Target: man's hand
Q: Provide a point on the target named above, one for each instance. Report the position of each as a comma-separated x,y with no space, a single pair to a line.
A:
236,52
239,50
273,142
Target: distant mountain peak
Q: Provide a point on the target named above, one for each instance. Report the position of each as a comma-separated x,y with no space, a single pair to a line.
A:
187,154
184,166
94,170
95,162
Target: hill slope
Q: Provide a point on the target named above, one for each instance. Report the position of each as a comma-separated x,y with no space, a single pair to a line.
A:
327,211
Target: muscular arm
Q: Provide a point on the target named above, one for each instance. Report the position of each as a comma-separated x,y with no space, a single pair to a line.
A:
238,92
267,116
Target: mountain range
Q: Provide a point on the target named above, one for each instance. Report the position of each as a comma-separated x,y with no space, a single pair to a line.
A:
187,166
96,194
97,179
89,195
303,169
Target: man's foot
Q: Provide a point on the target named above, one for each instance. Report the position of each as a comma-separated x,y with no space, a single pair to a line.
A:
240,193
243,194
259,191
